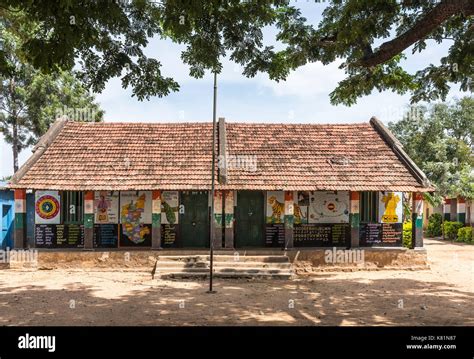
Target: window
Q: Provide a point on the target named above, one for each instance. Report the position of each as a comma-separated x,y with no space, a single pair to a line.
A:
72,209
369,207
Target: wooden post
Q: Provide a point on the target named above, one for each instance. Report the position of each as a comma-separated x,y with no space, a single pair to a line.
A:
156,220
229,218
417,220
354,218
20,219
89,220
289,219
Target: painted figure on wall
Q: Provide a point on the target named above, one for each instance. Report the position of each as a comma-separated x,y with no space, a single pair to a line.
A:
390,201
277,210
102,210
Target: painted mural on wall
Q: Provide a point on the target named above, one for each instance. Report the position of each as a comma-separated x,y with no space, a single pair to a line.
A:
390,207
328,207
47,207
301,207
135,214
106,205
169,207
275,207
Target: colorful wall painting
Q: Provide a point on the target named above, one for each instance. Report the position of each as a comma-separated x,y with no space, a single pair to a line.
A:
328,207
300,210
275,207
106,207
47,207
135,213
390,207
169,207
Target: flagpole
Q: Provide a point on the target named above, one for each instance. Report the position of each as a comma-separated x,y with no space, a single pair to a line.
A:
211,235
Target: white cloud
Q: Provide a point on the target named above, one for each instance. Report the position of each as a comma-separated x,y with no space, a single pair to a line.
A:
308,81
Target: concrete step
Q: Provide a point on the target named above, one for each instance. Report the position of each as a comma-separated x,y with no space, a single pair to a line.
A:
225,266
251,273
180,264
226,258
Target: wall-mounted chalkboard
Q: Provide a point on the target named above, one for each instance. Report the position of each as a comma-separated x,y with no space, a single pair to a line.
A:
381,234
274,235
169,235
392,234
370,234
59,235
106,235
69,235
321,235
141,236
45,235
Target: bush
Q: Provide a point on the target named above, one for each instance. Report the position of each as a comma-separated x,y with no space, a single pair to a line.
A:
434,225
451,229
465,234
407,234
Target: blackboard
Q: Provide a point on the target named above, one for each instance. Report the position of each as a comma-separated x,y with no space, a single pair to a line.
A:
370,234
169,235
45,235
321,235
69,235
274,235
126,242
392,234
106,235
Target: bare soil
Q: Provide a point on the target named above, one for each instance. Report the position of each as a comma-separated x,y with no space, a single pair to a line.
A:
441,295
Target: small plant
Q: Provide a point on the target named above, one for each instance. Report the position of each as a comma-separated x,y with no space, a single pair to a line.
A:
465,234
407,234
451,229
434,225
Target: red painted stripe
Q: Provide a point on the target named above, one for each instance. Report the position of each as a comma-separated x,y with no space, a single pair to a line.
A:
461,200
288,195
355,196
156,195
89,196
418,196
20,194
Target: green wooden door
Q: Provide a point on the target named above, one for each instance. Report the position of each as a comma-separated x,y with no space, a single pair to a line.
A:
249,219
194,222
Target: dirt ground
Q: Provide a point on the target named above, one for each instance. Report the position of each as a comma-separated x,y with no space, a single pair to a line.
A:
442,295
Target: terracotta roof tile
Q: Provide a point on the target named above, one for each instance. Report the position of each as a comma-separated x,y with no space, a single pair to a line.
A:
145,156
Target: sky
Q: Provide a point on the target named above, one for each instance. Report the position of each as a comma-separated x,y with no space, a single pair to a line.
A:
302,98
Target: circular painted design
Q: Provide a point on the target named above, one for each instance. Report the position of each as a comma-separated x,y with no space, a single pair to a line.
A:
47,207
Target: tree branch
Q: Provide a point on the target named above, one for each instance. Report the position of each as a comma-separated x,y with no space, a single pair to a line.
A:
432,20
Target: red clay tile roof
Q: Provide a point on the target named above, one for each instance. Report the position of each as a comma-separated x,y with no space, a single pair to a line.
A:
145,156
316,157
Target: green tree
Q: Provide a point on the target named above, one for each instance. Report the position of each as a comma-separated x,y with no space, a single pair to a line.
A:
31,100
439,139
107,39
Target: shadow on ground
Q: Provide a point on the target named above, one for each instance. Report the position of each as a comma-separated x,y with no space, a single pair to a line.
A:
315,301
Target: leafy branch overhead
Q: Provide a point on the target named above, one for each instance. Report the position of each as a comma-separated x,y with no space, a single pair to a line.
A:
371,38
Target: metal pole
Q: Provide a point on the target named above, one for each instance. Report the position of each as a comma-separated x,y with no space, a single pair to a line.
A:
211,236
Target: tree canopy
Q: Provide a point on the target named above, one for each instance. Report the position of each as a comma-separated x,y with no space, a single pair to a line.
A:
440,138
107,39
30,100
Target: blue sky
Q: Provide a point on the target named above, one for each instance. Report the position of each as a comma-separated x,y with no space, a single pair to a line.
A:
303,98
